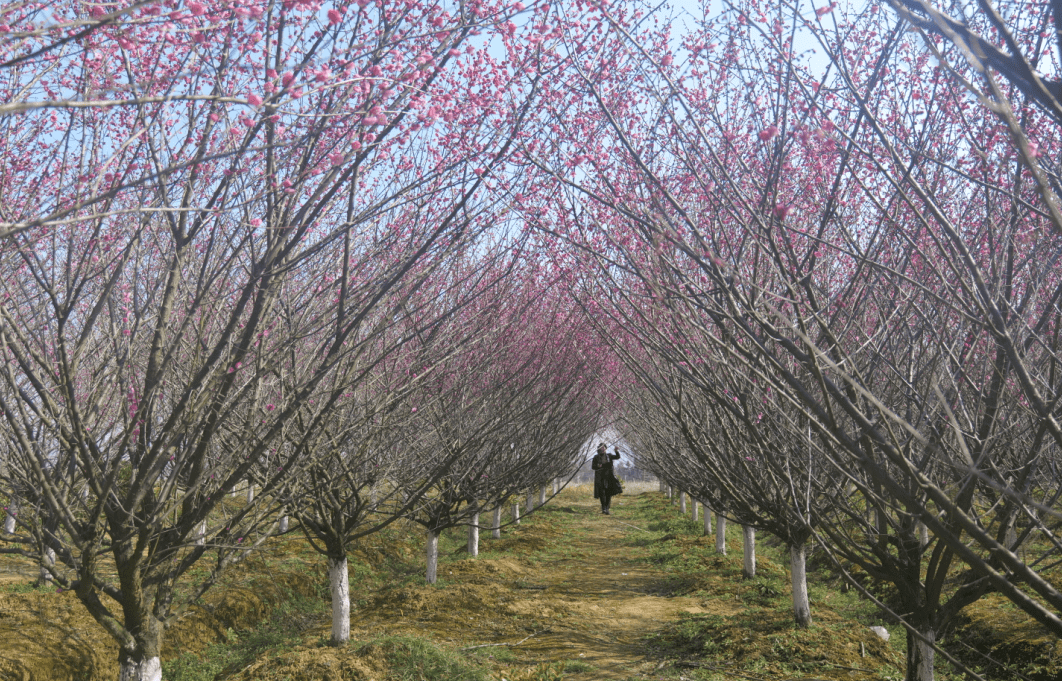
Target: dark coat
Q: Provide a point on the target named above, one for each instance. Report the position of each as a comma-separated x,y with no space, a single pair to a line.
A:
605,482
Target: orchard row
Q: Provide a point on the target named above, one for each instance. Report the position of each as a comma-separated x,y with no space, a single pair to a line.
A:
400,259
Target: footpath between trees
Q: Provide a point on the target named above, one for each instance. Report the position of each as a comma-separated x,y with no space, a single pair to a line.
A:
567,594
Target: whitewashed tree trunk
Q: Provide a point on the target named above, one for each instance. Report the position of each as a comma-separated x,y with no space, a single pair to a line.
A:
473,536
720,534
250,492
663,486
9,517
920,655
284,523
339,584
148,670
530,502
200,534
748,569
682,502
798,570
433,556
923,534
556,486
693,510
495,526
707,522
516,512
542,496
234,490
47,565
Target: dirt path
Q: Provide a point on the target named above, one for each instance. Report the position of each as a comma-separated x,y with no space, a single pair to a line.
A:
617,598
573,586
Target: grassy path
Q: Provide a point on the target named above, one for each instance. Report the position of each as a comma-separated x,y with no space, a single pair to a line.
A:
569,586
616,596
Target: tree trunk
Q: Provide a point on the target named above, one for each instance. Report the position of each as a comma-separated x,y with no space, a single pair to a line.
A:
339,582
798,571
530,501
284,524
748,569
473,535
9,518
142,663
923,534
556,486
200,534
707,521
516,512
670,491
682,502
495,532
47,565
920,655
720,534
693,510
149,669
250,492
433,555
542,496
663,486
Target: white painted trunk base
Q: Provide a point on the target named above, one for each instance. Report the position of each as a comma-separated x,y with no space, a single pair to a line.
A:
47,565
495,532
250,493
339,583
798,570
682,503
530,502
748,570
284,523
148,670
9,517
516,512
200,534
924,655
720,534
473,536
693,510
433,556
542,496
707,522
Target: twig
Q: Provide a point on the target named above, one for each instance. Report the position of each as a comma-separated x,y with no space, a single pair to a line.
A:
499,645
629,525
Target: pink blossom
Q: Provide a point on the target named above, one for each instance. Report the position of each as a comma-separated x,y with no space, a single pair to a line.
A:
768,133
254,100
781,210
823,11
196,8
334,17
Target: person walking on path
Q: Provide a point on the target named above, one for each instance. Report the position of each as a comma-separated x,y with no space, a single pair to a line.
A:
606,485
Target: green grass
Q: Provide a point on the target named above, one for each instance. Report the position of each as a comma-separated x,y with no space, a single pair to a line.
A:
415,659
